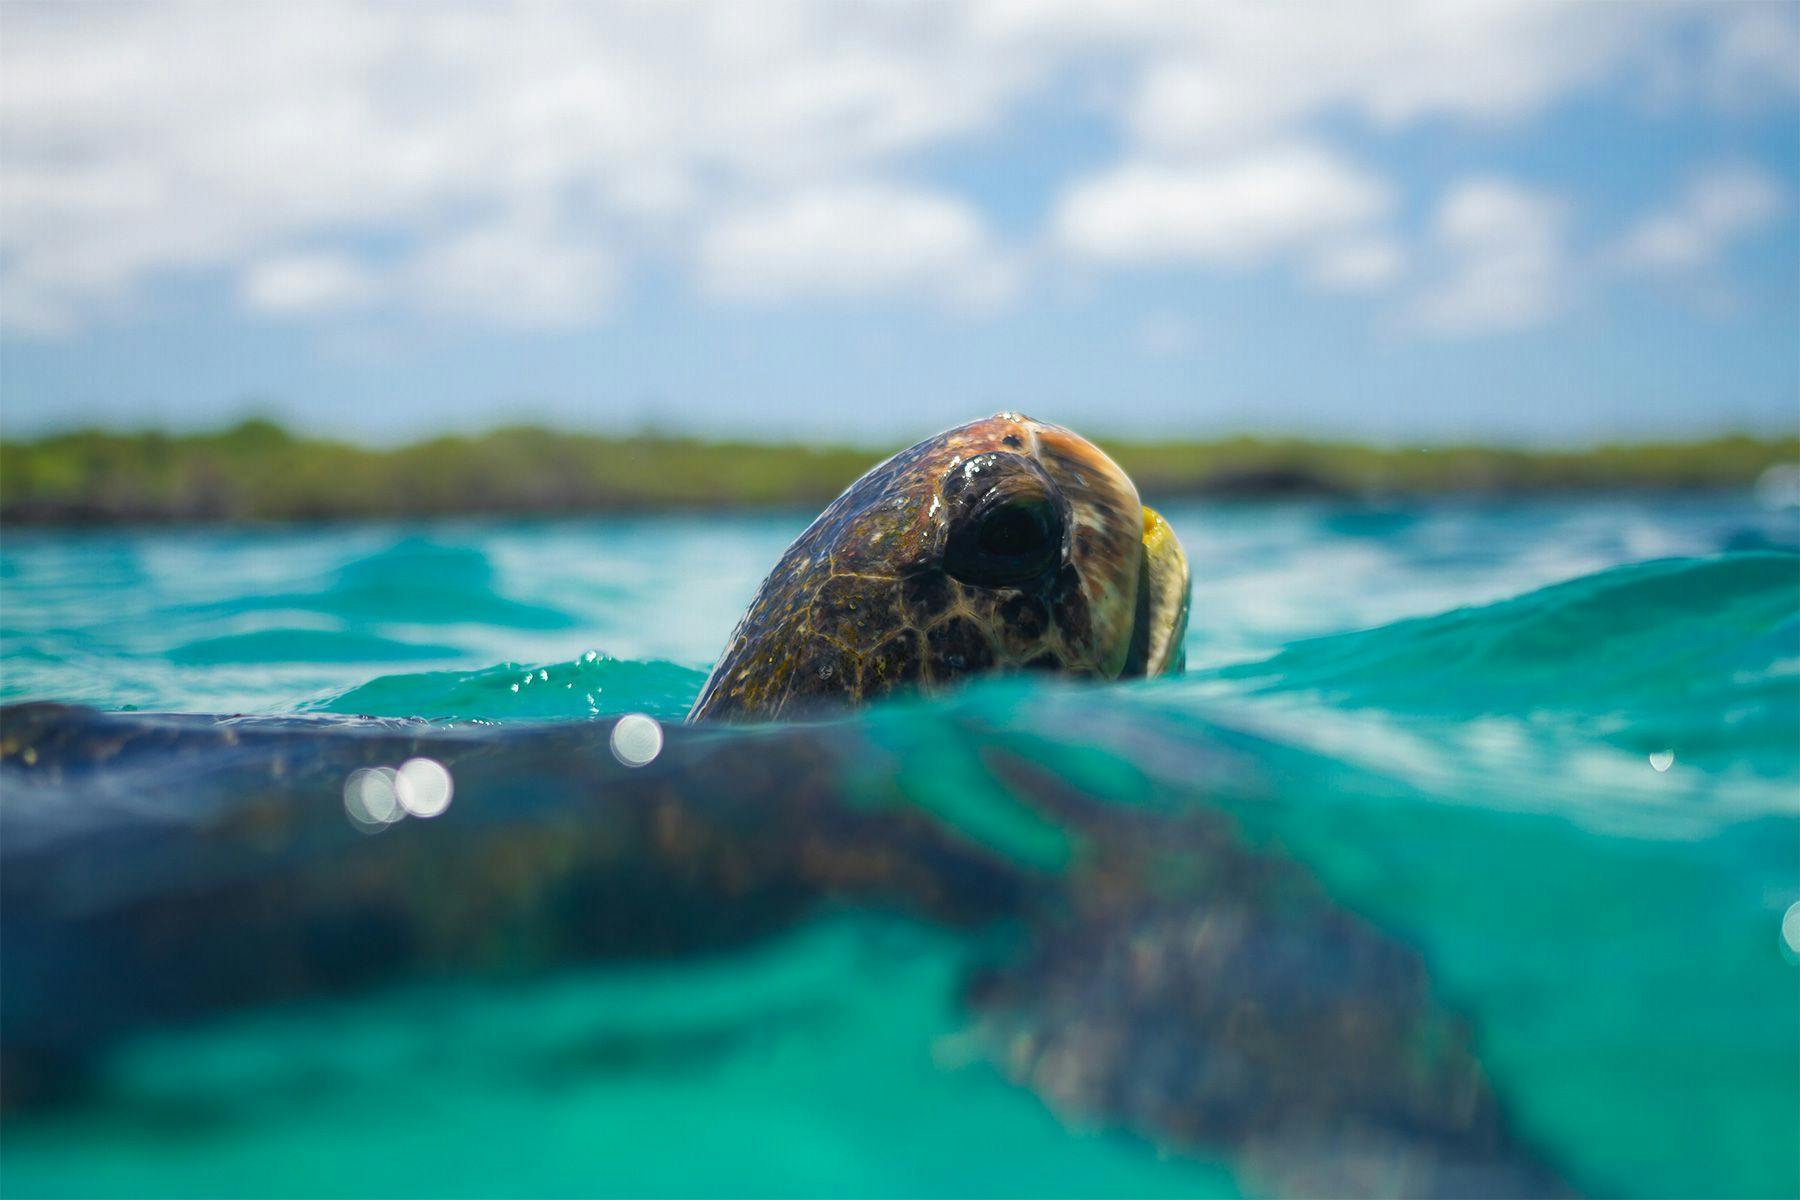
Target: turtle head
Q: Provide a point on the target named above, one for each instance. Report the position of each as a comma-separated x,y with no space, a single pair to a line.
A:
1003,544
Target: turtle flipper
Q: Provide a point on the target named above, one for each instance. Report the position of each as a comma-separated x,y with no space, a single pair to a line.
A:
1209,997
1304,1049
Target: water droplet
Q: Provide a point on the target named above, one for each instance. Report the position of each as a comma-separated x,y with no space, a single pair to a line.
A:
1790,927
1662,760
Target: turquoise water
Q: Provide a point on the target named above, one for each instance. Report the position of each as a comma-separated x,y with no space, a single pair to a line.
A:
1555,746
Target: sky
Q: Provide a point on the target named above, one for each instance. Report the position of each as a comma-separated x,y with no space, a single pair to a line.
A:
1399,222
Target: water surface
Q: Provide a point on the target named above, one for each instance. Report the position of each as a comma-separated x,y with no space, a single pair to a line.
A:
1553,745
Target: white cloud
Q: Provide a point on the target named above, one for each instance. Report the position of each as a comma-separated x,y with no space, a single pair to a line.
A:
545,142
1501,261
853,240
1498,256
1238,211
515,163
303,283
515,273
1357,264
519,272
1692,234
1231,74
1751,55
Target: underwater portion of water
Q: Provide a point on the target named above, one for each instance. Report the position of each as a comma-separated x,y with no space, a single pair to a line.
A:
1553,744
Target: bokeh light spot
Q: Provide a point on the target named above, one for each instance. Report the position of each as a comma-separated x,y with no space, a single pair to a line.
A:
371,800
636,739
1779,486
424,787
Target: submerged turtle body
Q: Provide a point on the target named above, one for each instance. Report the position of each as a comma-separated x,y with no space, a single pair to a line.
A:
1003,544
1169,978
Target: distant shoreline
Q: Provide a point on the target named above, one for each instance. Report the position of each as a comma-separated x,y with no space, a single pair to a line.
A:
257,471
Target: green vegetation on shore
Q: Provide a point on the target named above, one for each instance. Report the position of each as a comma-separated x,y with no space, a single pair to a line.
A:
258,471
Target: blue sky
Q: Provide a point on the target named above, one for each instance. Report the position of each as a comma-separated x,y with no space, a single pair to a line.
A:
1403,222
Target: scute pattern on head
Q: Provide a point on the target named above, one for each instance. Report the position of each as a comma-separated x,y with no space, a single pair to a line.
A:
862,604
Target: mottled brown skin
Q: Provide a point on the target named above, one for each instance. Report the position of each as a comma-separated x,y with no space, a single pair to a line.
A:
869,600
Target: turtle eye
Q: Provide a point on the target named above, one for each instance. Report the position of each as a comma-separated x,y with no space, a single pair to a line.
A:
1006,541
1014,530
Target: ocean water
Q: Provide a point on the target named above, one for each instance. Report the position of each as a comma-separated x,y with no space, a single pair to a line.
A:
1550,747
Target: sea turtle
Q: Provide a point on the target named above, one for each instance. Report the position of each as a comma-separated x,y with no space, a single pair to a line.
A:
1003,544
1162,975
1169,978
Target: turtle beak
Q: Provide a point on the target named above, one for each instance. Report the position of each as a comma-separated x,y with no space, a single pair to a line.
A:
1133,576
1162,604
